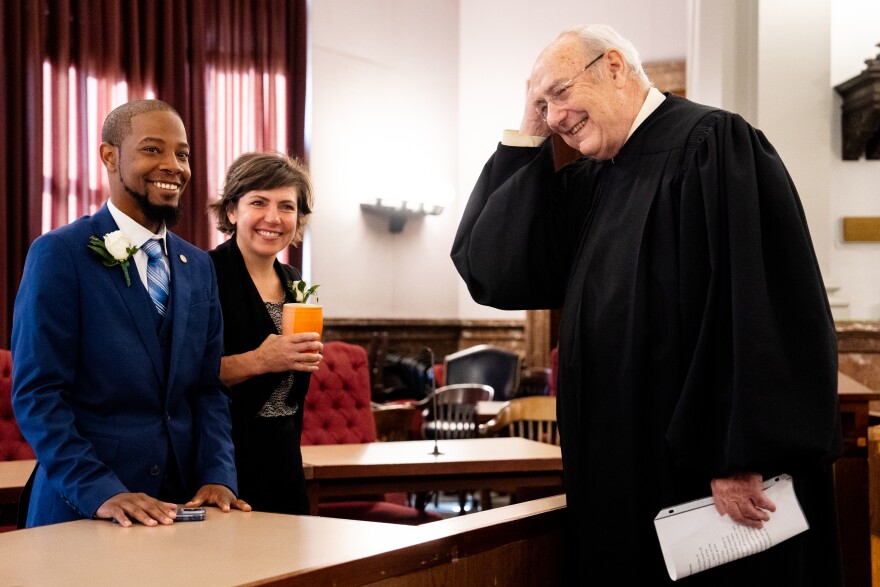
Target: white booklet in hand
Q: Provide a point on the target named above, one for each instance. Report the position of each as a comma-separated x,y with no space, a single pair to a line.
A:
695,537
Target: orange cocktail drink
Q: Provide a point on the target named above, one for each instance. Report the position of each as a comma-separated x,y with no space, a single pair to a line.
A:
302,318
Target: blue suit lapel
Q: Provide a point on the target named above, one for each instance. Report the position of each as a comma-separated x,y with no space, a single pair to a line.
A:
137,298
181,294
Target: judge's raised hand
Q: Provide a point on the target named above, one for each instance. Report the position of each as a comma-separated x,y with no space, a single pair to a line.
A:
532,123
742,497
218,495
139,506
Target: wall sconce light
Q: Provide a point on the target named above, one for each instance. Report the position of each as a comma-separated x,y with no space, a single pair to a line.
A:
399,211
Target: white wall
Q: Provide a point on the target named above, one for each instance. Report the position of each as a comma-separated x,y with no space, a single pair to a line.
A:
794,102
415,92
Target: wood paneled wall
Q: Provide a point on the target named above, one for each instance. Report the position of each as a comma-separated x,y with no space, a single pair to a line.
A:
858,341
443,337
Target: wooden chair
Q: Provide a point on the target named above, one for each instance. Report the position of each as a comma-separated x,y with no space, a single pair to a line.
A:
531,417
450,412
527,417
456,411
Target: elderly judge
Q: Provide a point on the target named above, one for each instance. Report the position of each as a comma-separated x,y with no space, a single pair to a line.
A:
697,350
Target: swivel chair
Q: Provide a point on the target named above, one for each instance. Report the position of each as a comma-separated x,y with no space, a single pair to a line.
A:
485,364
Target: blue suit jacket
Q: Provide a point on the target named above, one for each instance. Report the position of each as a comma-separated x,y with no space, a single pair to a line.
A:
91,392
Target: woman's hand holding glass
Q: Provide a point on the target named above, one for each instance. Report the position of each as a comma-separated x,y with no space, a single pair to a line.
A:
291,352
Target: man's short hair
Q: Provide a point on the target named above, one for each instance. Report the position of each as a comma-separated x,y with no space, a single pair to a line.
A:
117,125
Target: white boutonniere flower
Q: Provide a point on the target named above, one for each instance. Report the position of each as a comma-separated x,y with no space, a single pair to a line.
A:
301,292
114,250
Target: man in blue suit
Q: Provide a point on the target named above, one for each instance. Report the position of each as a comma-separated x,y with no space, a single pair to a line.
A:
118,392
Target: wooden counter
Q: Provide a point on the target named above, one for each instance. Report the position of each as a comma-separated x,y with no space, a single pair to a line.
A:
501,546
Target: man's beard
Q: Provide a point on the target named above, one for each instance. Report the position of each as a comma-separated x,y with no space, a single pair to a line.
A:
170,215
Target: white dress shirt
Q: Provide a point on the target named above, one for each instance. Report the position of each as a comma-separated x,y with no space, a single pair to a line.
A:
138,235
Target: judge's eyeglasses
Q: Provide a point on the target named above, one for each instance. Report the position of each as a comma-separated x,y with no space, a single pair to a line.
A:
561,93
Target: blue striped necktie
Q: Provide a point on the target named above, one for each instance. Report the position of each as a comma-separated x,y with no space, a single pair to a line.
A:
158,278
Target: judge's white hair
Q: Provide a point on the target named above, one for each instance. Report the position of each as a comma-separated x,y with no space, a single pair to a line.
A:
599,38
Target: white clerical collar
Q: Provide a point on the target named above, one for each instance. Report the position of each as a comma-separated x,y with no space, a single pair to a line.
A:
652,102
136,232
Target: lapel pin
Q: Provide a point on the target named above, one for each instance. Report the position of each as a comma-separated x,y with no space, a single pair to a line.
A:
183,258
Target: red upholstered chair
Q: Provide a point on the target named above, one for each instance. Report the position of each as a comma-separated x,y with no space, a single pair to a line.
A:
338,411
554,369
338,407
13,446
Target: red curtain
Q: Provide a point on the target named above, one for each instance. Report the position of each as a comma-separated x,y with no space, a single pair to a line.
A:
69,62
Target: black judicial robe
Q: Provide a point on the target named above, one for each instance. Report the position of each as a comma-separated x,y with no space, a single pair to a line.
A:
696,339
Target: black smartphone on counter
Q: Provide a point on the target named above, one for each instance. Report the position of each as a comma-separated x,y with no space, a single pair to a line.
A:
190,515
